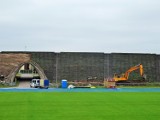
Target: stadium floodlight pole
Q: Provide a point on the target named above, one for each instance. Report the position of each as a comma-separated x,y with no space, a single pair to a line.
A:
57,70
108,65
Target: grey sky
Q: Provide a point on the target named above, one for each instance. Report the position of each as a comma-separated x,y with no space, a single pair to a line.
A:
80,25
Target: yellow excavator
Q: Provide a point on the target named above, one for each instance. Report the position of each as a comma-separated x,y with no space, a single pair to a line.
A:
125,75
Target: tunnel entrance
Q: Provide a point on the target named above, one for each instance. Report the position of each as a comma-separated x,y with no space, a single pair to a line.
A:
25,72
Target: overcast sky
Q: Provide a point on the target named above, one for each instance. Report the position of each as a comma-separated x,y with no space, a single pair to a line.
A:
127,26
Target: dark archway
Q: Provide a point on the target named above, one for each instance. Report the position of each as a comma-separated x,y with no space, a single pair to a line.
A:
12,75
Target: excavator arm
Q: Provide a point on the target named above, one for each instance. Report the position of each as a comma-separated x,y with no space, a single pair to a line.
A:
125,76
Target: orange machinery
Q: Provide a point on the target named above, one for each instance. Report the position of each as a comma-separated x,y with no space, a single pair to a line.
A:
125,75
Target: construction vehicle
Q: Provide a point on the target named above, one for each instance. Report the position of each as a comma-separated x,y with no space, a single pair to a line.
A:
125,76
39,83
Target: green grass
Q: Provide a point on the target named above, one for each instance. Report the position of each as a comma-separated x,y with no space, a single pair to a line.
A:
79,106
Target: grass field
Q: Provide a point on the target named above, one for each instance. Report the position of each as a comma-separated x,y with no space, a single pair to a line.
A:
79,106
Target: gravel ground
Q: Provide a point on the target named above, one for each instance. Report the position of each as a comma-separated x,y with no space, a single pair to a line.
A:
24,84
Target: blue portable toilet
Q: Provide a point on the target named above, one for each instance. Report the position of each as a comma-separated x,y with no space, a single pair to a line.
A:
64,83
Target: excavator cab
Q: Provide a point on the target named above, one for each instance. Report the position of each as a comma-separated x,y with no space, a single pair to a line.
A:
119,76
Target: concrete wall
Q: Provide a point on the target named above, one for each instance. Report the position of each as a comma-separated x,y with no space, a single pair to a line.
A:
96,66
80,66
158,68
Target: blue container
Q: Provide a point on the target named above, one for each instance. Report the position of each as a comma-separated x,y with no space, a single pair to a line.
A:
64,83
46,83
